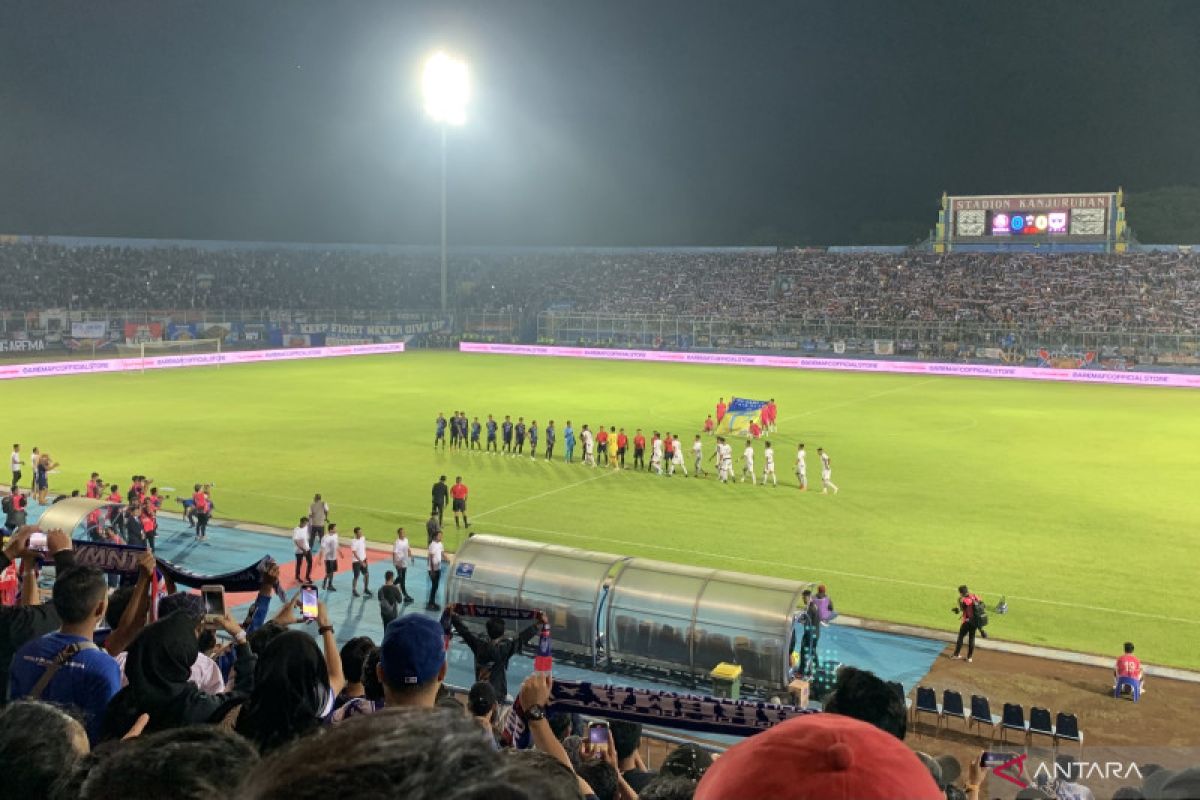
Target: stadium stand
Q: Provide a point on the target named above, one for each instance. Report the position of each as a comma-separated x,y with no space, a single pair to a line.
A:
1146,291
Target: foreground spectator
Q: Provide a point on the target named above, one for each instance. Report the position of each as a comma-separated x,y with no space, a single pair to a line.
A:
819,757
19,624
861,694
412,662
412,753
159,670
194,763
66,667
627,738
493,653
38,745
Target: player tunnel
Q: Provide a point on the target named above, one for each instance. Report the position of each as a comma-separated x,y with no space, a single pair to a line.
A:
687,619
565,582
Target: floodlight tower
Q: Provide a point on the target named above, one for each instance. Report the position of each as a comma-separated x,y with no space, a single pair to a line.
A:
444,84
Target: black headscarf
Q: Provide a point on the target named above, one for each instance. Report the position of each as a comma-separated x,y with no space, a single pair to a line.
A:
158,668
291,693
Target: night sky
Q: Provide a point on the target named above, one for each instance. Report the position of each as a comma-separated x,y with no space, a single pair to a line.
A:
602,122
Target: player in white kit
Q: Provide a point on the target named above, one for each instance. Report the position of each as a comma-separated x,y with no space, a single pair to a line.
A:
748,463
802,468
826,473
769,466
656,454
589,447
677,457
698,456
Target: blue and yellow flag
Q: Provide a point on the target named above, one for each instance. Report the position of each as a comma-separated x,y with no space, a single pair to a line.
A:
739,414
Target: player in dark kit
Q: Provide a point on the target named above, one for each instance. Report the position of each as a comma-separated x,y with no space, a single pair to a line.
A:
463,425
439,434
440,493
491,434
533,437
550,440
506,432
454,430
475,434
520,432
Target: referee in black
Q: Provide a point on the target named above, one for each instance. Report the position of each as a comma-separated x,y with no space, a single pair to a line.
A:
441,492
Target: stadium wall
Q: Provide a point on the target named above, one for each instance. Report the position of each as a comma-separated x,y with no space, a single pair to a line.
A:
46,369
847,365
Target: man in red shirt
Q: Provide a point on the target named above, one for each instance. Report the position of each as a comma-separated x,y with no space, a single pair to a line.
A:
203,506
755,430
639,450
668,449
622,443
1129,666
458,501
602,445
769,415
721,410
708,425
94,486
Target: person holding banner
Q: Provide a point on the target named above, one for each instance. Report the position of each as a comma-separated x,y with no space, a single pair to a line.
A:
493,653
721,407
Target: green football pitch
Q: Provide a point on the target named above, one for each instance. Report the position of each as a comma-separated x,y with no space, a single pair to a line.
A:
1079,503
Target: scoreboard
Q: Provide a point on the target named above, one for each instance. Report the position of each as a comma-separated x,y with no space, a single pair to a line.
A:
996,219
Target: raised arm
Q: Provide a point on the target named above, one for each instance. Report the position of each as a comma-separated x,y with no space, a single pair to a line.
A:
333,659
134,618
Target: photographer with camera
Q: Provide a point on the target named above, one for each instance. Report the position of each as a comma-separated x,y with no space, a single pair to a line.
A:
974,618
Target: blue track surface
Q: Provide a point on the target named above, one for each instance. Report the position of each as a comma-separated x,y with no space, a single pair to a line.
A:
891,657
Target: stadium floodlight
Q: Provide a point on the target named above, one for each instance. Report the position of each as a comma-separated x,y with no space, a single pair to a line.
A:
446,89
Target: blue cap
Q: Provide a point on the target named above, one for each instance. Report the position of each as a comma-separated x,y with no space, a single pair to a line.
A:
413,650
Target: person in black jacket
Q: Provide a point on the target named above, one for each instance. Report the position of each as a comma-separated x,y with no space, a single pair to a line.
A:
493,653
159,670
19,624
441,492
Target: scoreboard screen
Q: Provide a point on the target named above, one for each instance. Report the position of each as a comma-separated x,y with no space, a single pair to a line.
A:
1026,223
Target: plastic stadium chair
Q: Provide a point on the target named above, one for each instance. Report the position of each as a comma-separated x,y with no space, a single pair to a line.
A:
1013,719
927,704
952,708
1066,726
1039,724
1134,686
981,714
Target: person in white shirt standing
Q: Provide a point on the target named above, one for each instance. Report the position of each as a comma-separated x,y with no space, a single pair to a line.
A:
698,457
401,554
330,551
589,447
677,457
656,454
303,549
435,553
802,468
748,462
769,466
826,473
358,563
16,462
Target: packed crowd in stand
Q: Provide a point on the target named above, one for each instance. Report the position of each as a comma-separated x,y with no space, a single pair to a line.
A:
1140,291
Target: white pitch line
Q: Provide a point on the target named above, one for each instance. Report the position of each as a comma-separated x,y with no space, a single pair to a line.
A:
540,495
731,557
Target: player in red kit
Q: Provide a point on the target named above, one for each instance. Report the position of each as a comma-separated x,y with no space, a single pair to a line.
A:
458,501
755,430
622,444
721,407
709,425
602,445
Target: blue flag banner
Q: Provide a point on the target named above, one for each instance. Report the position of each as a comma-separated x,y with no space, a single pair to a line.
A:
739,414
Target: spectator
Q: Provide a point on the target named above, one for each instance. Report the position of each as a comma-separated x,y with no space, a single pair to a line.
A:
66,667
390,598
1065,788
194,763
824,605
860,694
539,774
412,661
668,787
372,697
19,624
823,757
627,739
1129,666
38,744
408,752
294,689
159,671
482,705
686,761
353,656
493,653
602,777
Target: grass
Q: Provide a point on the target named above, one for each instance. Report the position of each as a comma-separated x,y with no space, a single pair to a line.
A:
1077,502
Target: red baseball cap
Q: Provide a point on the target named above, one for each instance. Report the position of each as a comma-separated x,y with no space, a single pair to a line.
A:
819,757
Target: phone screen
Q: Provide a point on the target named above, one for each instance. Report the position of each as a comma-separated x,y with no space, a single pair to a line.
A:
214,601
308,602
598,736
37,541
991,759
